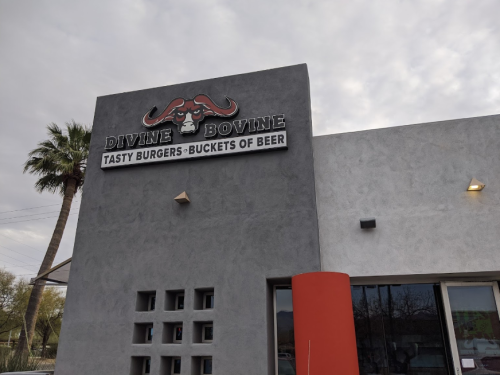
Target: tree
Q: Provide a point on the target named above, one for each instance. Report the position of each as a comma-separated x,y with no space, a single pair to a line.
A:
60,162
13,301
49,316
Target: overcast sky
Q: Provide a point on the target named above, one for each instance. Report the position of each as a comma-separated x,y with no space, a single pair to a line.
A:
371,64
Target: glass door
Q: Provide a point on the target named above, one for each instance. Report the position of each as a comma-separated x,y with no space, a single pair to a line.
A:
473,326
399,329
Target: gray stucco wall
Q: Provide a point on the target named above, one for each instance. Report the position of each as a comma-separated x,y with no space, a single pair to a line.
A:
251,218
413,180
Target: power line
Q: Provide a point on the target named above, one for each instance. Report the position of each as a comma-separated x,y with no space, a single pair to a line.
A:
10,238
14,272
27,269
24,266
20,243
41,218
35,274
8,256
16,265
27,274
30,276
41,213
20,253
32,208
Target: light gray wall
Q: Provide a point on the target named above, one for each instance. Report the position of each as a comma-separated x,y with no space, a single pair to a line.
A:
413,180
251,218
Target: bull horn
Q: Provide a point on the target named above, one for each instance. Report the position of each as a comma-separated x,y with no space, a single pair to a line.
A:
213,109
166,115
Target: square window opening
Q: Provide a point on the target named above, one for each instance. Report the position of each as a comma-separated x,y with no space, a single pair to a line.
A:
203,332
174,300
143,333
202,366
172,333
140,366
204,299
170,365
146,301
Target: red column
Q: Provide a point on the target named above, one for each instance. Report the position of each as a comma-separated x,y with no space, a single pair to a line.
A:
325,341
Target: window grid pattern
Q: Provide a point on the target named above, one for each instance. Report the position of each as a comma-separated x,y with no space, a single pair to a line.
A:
175,303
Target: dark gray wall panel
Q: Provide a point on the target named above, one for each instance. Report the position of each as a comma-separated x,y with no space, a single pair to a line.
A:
251,217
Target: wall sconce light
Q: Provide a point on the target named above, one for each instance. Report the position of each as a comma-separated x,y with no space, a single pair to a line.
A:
475,185
368,223
182,198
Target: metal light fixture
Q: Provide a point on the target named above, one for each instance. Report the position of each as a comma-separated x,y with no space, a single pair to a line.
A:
182,198
475,185
368,223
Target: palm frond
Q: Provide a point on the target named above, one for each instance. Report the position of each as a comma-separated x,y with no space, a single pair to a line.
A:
61,157
50,182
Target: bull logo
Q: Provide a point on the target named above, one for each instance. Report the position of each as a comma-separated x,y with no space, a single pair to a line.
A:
187,114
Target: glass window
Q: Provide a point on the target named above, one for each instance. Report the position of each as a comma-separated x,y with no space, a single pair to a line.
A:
152,302
477,328
178,333
149,333
206,366
285,355
208,333
145,301
179,304
176,366
399,329
209,301
147,365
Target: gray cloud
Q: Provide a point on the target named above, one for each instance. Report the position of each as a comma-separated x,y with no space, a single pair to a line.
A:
371,64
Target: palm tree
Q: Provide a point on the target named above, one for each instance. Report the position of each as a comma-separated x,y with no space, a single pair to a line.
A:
60,162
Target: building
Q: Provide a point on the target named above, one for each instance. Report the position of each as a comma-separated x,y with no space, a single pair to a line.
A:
216,235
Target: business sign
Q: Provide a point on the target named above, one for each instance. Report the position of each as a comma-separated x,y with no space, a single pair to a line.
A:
153,146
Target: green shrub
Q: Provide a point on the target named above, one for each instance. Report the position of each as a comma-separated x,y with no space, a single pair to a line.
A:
51,351
5,351
11,363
